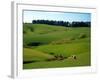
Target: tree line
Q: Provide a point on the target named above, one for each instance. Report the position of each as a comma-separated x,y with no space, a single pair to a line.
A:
63,23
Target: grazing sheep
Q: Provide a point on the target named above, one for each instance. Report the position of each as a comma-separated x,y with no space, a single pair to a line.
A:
73,57
60,57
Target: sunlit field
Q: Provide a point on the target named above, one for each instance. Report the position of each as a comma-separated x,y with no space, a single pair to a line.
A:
53,46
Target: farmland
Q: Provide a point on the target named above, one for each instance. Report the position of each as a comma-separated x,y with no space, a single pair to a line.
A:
51,46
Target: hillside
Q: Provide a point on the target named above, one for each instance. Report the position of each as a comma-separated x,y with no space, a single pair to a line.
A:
47,46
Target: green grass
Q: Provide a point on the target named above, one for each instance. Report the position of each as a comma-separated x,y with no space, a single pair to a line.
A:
60,33
34,55
65,49
58,40
83,60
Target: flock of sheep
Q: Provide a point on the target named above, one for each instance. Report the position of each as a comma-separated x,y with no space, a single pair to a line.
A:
60,57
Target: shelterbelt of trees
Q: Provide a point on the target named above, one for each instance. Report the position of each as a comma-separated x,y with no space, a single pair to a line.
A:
63,23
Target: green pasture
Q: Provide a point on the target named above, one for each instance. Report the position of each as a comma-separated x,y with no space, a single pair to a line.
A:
55,41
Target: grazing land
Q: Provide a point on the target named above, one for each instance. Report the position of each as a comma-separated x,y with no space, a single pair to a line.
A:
51,46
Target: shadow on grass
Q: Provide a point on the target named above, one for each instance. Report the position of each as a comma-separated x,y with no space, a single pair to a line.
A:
27,62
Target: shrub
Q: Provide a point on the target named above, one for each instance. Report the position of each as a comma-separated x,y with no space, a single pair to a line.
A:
34,44
51,53
31,29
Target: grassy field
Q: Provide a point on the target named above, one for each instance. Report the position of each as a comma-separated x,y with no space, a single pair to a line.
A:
49,46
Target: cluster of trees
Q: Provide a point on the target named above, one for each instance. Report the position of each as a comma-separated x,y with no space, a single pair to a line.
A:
63,23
